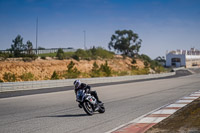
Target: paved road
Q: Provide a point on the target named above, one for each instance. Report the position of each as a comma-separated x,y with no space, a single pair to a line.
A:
58,112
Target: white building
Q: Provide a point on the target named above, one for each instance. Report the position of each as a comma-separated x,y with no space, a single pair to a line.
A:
183,58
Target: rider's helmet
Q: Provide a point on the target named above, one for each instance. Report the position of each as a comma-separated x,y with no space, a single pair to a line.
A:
77,83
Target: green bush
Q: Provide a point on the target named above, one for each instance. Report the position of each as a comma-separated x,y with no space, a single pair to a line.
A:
160,69
54,76
93,53
43,57
72,72
105,69
95,72
82,54
4,55
9,77
135,68
133,61
27,59
75,57
1,81
32,56
100,52
69,55
146,64
27,76
145,58
60,54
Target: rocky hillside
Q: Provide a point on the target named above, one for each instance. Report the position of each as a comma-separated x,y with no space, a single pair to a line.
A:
43,69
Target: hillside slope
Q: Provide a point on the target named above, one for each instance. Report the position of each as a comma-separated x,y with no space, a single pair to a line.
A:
43,69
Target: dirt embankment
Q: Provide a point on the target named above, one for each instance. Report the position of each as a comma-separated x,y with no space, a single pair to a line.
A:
43,69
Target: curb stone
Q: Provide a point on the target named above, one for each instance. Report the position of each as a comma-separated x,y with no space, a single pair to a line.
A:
143,123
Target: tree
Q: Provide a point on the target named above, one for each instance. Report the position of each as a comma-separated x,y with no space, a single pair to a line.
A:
41,48
70,67
106,69
29,47
160,59
60,54
126,41
145,58
72,72
17,47
55,75
95,72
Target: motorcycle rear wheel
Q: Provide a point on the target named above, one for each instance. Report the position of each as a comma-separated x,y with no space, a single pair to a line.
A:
101,109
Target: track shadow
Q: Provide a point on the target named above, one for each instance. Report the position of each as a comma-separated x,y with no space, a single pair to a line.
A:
67,115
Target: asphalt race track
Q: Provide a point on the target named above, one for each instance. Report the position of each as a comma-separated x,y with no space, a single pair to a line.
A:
57,112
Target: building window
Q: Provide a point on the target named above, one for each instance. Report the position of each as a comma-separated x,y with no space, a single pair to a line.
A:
176,60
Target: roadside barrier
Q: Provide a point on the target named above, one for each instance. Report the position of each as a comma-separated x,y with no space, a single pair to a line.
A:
31,85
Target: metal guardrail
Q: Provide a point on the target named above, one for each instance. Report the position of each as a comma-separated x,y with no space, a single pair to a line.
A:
31,85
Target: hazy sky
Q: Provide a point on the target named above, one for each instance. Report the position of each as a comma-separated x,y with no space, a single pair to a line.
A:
161,24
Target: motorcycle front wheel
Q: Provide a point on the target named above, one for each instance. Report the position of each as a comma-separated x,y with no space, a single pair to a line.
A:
88,108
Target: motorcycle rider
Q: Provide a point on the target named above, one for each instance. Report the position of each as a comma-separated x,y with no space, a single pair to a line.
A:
78,85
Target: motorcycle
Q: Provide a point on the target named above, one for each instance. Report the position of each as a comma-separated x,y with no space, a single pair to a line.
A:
89,103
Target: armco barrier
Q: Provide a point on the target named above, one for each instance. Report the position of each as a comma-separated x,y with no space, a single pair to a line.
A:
30,85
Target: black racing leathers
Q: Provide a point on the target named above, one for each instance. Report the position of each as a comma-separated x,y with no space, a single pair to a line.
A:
87,88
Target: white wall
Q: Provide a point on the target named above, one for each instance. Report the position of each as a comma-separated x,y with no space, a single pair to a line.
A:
192,57
169,57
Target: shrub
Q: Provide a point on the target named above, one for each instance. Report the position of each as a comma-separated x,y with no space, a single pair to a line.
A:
154,64
70,66
160,69
32,56
27,59
43,57
9,77
145,58
60,54
105,69
94,53
133,61
95,72
1,81
82,54
135,68
146,64
27,76
4,55
72,72
100,52
75,57
55,75
69,55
